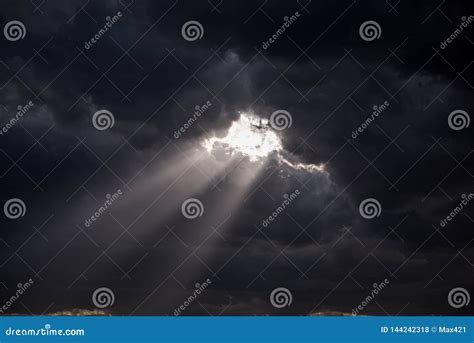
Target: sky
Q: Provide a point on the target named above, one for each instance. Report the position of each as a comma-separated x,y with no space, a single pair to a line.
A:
155,139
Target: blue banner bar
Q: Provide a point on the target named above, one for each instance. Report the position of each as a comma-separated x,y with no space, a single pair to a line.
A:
237,329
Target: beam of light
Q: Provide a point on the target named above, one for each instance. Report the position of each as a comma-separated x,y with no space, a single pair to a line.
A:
253,137
158,194
230,199
156,199
221,211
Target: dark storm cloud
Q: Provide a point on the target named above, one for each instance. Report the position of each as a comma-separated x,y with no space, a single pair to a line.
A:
320,247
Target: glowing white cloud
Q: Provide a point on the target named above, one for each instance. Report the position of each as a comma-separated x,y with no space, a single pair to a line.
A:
254,138
248,136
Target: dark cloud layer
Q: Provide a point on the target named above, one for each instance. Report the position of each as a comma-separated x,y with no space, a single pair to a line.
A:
151,79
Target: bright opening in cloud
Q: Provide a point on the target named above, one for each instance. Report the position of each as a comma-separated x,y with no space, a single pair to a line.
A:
250,136
253,137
